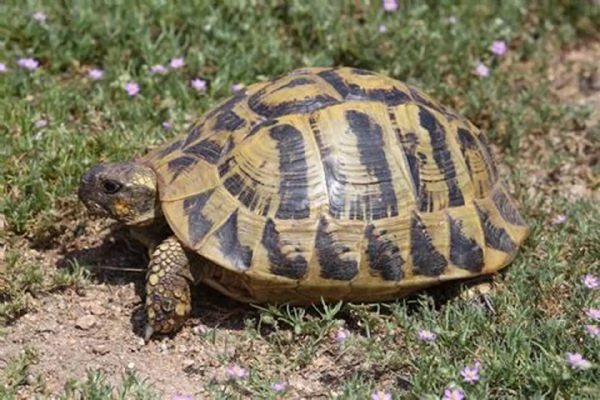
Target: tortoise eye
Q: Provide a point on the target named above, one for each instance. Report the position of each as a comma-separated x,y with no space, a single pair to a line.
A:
111,187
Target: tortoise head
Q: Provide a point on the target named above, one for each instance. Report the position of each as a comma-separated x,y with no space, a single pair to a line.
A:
126,192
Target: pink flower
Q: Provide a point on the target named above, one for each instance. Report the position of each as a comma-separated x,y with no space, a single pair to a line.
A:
382,28
341,335
177,63
498,47
452,20
482,70
236,87
593,313
28,63
426,336
559,219
166,125
591,282
39,16
198,84
41,123
593,330
453,394
278,386
236,372
390,5
470,373
3,68
381,395
132,88
577,361
95,74
158,69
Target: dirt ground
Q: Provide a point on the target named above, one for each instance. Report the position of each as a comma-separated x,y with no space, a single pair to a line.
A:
99,326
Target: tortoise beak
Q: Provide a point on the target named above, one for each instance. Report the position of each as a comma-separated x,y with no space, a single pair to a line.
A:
87,189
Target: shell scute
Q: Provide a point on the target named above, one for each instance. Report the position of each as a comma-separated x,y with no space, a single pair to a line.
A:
384,254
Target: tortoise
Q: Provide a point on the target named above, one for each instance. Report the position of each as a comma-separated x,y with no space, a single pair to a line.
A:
323,184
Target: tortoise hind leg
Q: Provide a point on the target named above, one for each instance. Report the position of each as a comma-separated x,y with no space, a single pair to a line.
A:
168,280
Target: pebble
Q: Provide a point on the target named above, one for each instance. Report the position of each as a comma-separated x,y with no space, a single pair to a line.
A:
86,322
579,191
100,349
30,380
97,309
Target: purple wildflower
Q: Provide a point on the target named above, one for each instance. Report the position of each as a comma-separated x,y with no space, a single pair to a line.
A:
382,28
278,386
341,335
482,70
559,219
593,313
577,361
470,373
390,5
3,68
158,69
236,372
593,330
28,63
453,393
39,16
498,47
177,62
95,73
198,84
199,329
132,88
381,395
236,87
166,125
452,20
41,123
426,336
591,282
181,397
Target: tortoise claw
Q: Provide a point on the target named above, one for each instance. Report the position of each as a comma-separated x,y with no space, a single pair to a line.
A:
148,332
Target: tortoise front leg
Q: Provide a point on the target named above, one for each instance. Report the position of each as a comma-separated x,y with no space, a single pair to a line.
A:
168,280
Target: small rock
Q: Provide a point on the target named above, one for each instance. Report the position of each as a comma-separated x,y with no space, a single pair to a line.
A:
131,365
187,363
86,322
578,192
100,349
163,346
97,309
30,380
116,309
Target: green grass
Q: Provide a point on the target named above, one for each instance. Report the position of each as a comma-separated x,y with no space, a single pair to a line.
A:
540,314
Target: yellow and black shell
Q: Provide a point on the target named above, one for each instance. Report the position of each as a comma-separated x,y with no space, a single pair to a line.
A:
336,183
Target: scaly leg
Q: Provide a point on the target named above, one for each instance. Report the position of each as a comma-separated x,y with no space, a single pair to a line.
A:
168,280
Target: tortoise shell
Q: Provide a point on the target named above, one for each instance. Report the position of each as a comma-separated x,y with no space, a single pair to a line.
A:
337,183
